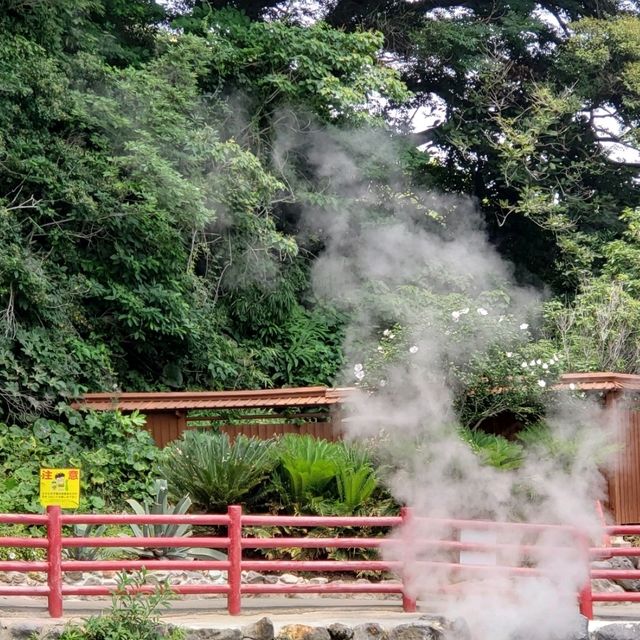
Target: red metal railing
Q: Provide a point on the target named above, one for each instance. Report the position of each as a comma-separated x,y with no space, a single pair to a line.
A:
233,543
606,552
513,545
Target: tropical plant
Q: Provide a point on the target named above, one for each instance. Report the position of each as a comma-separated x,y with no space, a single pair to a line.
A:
161,506
216,472
494,450
308,466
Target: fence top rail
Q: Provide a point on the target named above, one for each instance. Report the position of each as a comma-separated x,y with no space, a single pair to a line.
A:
132,518
322,521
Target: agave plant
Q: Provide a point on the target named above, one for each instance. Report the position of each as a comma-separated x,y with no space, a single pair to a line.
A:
86,531
161,506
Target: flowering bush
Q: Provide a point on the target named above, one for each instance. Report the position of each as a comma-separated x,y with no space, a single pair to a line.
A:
487,355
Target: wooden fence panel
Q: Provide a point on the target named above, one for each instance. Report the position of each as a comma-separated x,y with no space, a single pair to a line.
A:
626,481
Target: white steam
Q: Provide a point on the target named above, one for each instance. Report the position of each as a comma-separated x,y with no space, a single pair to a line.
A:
386,248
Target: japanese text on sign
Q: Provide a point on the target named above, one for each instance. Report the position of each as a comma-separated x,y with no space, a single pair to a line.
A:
60,487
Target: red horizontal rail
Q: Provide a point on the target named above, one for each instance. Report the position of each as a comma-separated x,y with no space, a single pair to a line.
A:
23,566
180,589
138,542
330,587
90,518
135,565
313,543
320,521
630,596
234,542
319,565
34,543
22,518
24,591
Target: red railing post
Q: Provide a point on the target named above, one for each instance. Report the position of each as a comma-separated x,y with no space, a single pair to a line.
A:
408,602
234,573
585,597
54,559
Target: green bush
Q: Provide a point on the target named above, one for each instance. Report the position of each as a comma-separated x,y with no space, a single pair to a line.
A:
328,478
131,616
114,453
216,472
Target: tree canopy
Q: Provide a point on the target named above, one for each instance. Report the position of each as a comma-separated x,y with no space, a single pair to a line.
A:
171,176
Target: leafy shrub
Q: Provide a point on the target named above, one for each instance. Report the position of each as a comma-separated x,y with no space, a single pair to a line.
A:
216,472
113,451
22,553
131,616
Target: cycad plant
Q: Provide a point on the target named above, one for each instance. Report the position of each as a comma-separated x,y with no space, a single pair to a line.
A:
216,472
161,506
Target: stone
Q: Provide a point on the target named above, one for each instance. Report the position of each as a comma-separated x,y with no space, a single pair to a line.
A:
29,630
619,631
252,577
288,578
415,631
622,562
602,585
339,631
318,580
369,631
212,634
303,632
457,629
260,630
579,631
270,579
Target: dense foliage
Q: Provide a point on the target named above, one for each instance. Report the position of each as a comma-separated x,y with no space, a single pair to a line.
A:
172,174
116,456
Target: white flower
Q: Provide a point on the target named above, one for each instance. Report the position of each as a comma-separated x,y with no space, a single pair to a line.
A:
455,315
542,383
556,357
572,387
383,383
359,375
391,336
386,332
358,367
380,349
524,326
509,354
524,365
532,363
501,319
464,311
482,311
413,349
545,366
538,361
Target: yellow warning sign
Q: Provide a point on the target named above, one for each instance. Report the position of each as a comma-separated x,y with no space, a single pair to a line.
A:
60,487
